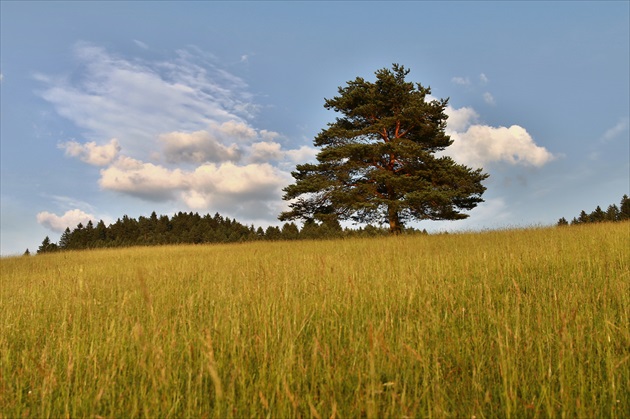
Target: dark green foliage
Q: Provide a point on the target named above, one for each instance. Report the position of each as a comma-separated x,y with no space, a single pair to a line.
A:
191,228
47,246
597,216
612,214
625,208
377,163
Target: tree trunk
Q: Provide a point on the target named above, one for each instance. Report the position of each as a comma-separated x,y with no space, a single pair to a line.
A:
394,221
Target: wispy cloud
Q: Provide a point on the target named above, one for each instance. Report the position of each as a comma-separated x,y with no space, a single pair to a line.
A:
134,101
174,130
476,84
462,81
488,98
140,44
613,132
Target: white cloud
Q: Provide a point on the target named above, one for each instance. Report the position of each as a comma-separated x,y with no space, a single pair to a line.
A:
223,186
266,151
235,130
488,98
461,118
476,144
462,81
482,144
252,180
135,101
251,191
197,147
181,129
483,78
70,219
144,180
268,135
613,132
91,153
302,155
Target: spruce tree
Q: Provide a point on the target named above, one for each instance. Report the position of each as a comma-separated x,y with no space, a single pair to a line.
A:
598,215
624,209
612,213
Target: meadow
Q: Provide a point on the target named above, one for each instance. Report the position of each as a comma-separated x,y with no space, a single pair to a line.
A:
513,323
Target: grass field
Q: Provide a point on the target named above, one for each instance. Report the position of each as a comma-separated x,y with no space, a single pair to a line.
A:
520,323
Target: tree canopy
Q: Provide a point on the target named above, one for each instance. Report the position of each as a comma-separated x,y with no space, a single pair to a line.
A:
613,213
192,228
377,161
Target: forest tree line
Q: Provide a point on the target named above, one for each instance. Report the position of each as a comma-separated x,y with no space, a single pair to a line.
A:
613,213
192,228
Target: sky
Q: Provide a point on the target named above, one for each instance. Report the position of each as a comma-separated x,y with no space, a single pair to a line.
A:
125,108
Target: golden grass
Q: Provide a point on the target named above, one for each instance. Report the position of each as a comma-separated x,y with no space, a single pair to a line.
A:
520,323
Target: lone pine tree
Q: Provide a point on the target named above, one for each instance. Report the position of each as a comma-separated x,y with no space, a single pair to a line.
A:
377,161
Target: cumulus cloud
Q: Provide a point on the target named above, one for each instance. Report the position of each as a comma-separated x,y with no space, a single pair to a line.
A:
70,219
251,191
223,186
144,180
461,118
482,144
235,130
173,130
266,151
252,180
268,135
92,153
476,144
197,147
483,78
302,154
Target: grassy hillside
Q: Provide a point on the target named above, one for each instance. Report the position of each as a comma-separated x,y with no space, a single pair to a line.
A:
500,324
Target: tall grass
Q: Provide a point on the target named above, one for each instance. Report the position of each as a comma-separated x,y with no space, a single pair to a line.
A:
523,323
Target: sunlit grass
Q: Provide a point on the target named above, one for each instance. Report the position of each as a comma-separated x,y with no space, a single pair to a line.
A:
522,323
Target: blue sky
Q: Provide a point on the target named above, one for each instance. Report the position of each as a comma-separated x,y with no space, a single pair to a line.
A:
114,108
